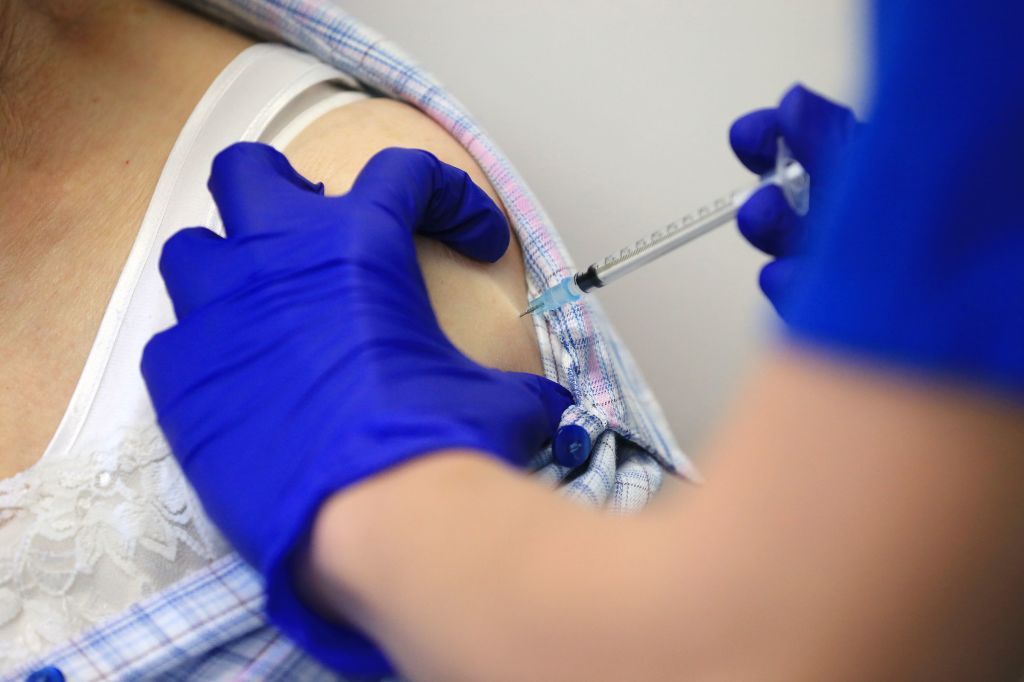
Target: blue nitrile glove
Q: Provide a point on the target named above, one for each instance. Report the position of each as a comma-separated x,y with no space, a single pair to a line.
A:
919,260
817,132
307,356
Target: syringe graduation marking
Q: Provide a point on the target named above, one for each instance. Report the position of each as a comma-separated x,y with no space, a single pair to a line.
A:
661,234
788,174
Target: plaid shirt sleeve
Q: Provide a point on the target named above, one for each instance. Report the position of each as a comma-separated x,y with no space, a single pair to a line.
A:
210,626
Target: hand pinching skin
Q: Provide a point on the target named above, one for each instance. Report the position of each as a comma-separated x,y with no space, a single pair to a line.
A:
307,356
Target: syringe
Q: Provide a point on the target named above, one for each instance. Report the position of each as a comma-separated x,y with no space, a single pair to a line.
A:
788,174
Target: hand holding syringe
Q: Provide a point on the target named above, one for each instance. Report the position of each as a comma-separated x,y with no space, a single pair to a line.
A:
788,174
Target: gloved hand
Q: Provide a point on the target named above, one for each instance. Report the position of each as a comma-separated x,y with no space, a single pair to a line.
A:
918,260
307,356
818,133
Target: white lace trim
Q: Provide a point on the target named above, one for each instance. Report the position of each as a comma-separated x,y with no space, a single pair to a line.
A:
82,537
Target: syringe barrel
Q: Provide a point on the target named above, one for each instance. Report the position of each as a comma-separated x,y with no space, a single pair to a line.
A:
788,174
669,238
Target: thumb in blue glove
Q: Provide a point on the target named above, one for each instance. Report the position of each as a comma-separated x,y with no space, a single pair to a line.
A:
307,357
818,133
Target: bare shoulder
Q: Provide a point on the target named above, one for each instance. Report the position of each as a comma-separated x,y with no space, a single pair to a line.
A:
477,304
365,127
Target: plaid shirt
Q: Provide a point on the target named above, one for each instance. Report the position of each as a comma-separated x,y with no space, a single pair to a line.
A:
210,625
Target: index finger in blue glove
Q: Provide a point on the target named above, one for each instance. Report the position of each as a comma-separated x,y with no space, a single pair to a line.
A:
754,139
256,189
191,264
432,198
815,128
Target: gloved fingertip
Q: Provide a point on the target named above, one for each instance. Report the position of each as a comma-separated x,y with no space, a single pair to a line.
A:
451,207
801,105
761,219
235,161
796,92
249,162
180,249
488,249
432,198
394,175
252,184
812,125
753,139
556,399
484,235
795,106
152,359
775,279
763,206
191,265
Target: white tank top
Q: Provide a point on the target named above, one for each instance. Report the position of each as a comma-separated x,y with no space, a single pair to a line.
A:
105,517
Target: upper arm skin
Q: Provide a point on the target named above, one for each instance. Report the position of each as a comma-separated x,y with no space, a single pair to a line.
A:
477,304
858,525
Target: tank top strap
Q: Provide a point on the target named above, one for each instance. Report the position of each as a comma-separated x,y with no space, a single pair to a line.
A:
105,516
268,93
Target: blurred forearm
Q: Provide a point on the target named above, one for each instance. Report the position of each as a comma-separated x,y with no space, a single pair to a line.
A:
466,570
855,527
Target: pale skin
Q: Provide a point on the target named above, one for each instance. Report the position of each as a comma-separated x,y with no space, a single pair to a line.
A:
86,123
856,524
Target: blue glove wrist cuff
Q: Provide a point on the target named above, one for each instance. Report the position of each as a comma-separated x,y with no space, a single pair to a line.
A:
336,645
340,647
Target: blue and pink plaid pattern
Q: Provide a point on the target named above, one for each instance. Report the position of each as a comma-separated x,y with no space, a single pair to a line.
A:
210,625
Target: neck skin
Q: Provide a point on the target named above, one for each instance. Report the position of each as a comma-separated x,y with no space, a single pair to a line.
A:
67,70
83,84
92,97
88,91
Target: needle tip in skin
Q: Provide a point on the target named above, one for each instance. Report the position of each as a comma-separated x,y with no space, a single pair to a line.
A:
533,307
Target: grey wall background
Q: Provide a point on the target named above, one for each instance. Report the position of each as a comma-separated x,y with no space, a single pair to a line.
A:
617,115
